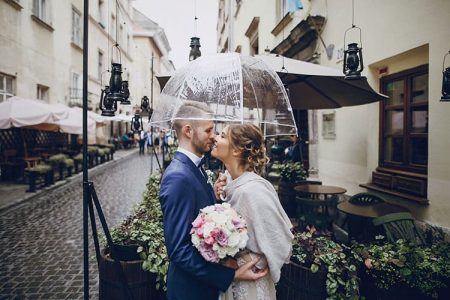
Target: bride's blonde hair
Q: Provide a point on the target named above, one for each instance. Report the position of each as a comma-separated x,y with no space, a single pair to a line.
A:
249,141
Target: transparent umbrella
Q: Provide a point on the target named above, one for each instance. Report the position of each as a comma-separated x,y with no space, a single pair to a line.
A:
236,88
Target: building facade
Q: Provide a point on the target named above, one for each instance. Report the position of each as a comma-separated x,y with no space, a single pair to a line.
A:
41,42
396,148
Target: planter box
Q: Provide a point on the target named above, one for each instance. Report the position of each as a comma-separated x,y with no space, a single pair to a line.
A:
142,283
299,283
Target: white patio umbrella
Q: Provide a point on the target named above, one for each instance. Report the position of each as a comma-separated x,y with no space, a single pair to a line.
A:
21,112
74,122
236,88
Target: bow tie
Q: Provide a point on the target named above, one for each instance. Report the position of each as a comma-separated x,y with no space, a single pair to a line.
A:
202,162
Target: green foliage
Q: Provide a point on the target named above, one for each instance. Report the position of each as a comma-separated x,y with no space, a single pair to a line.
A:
426,268
292,172
339,262
68,162
145,228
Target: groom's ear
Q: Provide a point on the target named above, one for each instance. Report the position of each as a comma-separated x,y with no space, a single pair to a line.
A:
187,130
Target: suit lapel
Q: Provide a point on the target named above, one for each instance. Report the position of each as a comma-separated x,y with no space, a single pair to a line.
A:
198,174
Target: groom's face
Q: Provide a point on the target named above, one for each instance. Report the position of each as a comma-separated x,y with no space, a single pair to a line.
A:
203,136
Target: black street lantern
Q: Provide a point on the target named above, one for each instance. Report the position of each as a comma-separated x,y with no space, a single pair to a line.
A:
195,48
353,60
445,81
136,122
107,105
115,83
145,104
125,93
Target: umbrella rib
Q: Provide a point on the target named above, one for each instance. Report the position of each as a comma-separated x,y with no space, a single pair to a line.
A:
322,93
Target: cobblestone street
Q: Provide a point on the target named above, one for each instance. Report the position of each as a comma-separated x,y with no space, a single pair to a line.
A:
41,243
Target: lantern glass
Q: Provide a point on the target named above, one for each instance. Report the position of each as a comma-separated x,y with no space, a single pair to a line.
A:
446,85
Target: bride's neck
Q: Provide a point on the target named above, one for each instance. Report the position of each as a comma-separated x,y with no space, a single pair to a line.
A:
234,168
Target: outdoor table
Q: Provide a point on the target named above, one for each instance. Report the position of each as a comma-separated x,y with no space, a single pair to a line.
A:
316,190
360,217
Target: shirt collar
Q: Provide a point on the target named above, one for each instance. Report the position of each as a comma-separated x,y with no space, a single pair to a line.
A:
195,159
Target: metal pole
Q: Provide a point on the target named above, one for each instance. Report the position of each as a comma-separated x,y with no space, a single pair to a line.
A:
151,126
86,194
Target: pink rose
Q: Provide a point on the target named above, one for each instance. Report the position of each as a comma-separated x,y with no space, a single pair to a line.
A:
208,253
222,238
199,232
198,222
209,240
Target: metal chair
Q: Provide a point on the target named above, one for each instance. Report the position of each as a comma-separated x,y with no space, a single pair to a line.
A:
314,212
365,198
399,226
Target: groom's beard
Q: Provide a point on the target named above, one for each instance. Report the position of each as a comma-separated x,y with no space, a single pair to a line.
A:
198,145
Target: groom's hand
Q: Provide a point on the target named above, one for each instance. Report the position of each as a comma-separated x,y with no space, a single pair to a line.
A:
219,185
245,272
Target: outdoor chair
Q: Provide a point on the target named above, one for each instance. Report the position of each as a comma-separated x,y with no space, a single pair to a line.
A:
399,226
314,212
365,199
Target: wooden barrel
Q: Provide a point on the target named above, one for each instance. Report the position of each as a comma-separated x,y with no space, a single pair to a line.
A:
142,283
299,283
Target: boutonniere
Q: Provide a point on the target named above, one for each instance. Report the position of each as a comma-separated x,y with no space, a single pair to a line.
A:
210,178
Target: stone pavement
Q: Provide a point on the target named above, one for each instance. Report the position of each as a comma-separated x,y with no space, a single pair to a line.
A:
41,243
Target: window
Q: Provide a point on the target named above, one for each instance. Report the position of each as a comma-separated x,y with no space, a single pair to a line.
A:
75,86
42,92
404,121
41,10
6,87
285,6
100,65
76,28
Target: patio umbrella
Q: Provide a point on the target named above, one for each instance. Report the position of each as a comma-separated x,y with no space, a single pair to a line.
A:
313,86
21,112
236,88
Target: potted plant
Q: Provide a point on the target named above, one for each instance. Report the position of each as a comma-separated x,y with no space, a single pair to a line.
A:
405,270
319,268
290,174
140,237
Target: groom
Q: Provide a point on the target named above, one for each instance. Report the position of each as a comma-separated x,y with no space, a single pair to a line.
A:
184,191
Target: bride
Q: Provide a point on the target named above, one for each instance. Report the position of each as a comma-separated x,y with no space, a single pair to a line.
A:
241,148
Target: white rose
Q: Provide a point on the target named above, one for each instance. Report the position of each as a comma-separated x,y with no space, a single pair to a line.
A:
195,240
207,228
243,240
233,240
208,209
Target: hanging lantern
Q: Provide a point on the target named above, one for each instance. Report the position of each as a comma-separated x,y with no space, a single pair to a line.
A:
144,104
136,122
107,105
195,49
353,60
115,83
445,81
125,93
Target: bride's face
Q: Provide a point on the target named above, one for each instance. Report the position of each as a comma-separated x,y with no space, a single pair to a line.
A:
222,148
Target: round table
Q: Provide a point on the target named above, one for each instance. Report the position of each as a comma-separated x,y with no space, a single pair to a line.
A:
360,217
316,190
370,210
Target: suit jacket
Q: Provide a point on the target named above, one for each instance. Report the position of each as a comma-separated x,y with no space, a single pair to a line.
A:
184,191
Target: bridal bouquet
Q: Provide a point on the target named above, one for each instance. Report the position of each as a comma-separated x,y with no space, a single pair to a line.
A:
218,231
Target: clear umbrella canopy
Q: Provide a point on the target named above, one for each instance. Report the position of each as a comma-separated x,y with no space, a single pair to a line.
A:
236,88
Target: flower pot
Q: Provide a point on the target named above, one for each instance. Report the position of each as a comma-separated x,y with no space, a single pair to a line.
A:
127,252
142,284
299,283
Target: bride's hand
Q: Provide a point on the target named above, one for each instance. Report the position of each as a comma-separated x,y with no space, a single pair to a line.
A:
245,272
219,186
230,263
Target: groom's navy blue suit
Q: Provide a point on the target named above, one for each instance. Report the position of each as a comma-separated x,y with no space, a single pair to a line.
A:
184,191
